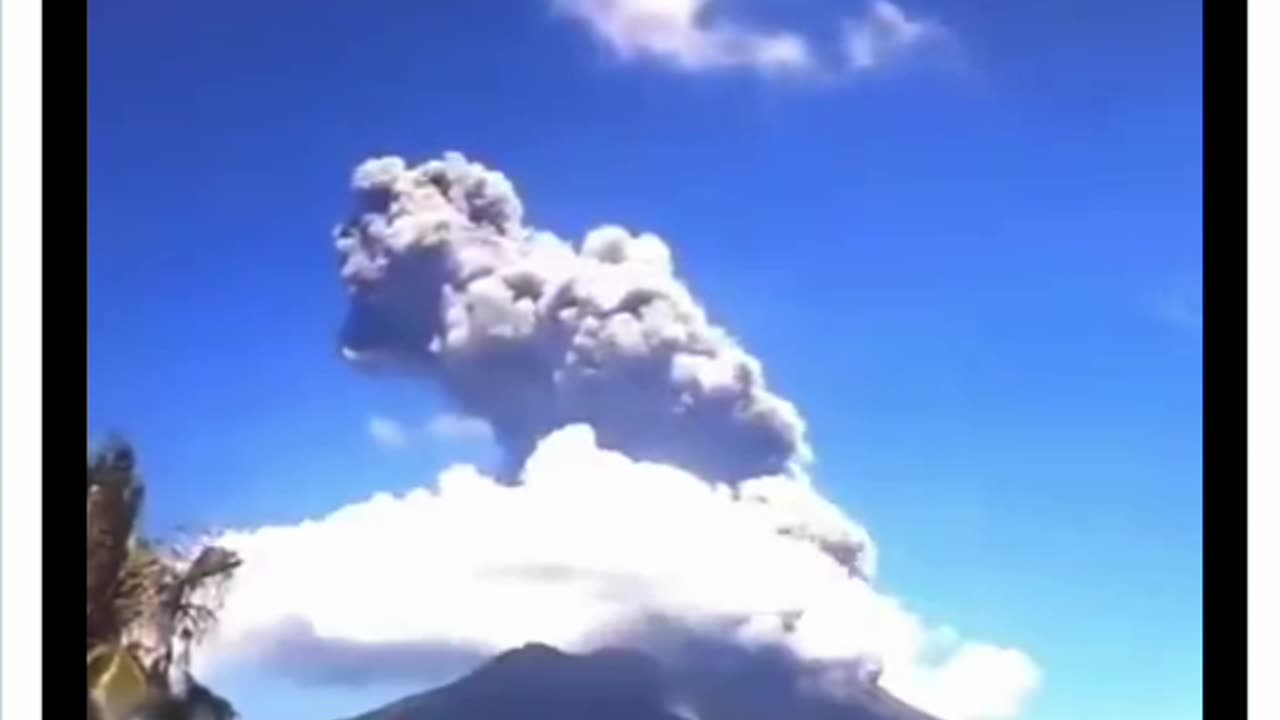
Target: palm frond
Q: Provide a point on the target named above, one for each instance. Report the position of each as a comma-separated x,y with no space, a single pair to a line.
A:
146,605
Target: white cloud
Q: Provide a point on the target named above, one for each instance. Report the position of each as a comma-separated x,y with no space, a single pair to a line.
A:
976,681
589,541
680,33
387,432
882,34
685,34
451,426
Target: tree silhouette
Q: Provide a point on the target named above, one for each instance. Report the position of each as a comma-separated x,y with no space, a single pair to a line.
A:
147,604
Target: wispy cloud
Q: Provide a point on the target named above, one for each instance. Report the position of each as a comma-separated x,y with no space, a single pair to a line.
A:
884,34
685,35
451,426
680,33
387,432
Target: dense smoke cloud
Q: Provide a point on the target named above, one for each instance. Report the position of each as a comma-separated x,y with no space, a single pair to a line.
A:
531,335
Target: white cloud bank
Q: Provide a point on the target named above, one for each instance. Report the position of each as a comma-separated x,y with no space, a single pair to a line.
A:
584,547
684,34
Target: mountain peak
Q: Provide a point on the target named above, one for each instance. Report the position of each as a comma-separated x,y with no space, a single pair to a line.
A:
532,653
539,681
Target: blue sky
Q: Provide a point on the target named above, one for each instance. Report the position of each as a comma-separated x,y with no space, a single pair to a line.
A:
976,270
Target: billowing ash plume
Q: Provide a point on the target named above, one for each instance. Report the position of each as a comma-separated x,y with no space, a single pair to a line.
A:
656,498
445,278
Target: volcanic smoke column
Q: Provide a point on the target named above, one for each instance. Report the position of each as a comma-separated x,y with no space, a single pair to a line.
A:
525,331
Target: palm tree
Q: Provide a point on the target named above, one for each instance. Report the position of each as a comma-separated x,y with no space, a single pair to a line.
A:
146,606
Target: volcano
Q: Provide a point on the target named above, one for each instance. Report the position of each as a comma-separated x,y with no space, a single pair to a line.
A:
539,682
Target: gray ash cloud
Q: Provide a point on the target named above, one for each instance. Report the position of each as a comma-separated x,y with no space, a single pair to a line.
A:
531,334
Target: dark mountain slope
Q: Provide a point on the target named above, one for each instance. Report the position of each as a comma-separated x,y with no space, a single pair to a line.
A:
537,682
